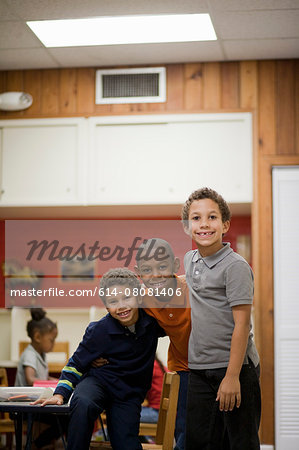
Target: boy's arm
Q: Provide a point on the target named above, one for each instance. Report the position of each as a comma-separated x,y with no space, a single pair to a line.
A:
229,392
99,362
160,332
56,399
87,351
69,378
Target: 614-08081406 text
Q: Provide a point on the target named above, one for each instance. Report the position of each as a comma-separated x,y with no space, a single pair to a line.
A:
108,292
136,292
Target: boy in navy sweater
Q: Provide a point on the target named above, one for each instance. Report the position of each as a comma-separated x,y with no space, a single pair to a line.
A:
127,337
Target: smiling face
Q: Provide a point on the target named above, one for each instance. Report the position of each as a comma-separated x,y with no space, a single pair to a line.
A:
122,304
158,273
206,227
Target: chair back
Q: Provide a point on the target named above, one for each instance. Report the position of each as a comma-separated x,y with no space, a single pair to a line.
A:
168,410
59,347
167,415
3,377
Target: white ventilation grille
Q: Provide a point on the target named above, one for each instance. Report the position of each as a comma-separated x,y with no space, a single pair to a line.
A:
144,85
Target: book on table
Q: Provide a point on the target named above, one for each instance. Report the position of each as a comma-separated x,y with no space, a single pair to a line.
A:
24,394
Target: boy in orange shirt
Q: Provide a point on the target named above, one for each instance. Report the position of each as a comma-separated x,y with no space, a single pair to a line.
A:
167,301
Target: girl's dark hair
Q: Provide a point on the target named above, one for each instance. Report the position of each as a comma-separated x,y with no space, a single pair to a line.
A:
39,322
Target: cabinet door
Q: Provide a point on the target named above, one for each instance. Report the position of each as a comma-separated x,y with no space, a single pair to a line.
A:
42,162
162,159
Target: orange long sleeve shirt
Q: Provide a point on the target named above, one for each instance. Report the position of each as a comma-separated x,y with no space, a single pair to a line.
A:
175,318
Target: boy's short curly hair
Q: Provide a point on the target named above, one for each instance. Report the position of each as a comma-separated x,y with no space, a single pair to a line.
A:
119,276
201,194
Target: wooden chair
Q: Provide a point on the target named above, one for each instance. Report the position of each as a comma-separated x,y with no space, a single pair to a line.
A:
7,425
147,428
59,347
167,415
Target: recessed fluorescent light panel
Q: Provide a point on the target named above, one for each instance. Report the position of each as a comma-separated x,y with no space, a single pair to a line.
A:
124,30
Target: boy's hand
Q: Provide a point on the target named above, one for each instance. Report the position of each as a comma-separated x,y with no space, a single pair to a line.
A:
56,399
229,393
99,362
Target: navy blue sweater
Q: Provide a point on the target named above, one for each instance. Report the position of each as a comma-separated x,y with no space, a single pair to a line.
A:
131,357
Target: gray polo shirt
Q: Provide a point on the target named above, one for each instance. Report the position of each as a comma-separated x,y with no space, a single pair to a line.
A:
216,284
30,357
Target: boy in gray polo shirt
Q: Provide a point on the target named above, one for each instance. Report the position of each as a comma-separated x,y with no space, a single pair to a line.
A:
224,392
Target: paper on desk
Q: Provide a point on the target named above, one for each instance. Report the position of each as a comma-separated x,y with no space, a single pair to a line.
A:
24,394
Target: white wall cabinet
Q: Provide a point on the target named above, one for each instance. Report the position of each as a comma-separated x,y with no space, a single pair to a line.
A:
161,159
129,160
43,162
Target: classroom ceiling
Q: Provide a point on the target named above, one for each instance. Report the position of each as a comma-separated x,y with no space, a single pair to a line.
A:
246,29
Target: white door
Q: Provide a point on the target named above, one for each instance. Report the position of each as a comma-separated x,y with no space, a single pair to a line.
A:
286,305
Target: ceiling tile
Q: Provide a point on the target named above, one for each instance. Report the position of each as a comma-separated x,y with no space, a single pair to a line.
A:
251,29
251,5
5,13
34,58
137,54
17,35
262,49
55,9
258,24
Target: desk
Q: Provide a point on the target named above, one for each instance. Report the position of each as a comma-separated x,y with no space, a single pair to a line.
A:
19,409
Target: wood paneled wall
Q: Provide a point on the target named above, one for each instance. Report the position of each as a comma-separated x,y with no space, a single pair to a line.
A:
190,87
269,89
